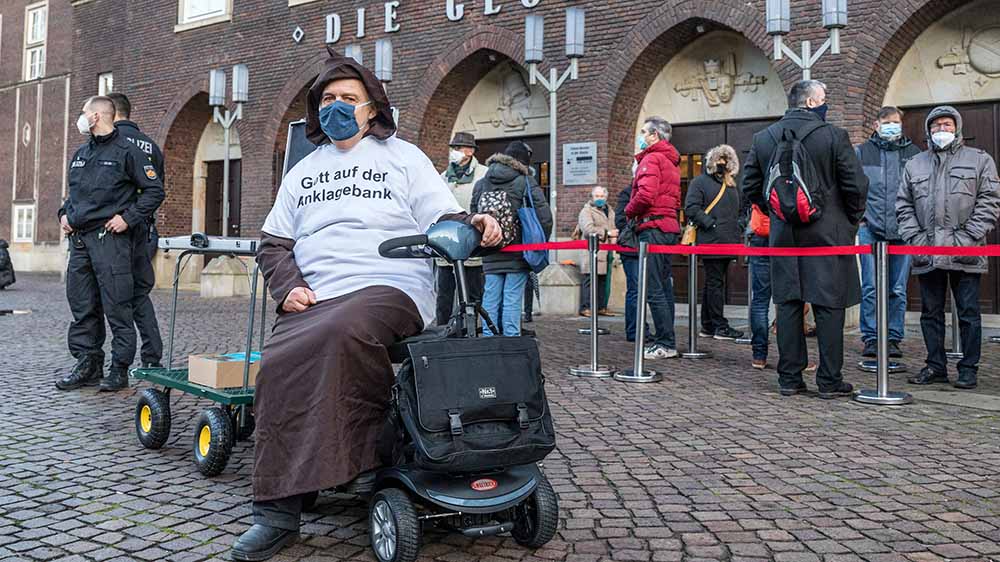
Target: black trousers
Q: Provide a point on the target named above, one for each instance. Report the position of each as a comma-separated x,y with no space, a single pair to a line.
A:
602,297
965,293
446,283
713,295
145,238
99,283
284,513
793,356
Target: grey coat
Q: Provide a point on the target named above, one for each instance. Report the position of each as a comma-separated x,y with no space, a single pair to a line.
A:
948,197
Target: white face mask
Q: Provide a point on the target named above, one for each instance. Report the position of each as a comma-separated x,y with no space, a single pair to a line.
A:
83,124
456,156
943,138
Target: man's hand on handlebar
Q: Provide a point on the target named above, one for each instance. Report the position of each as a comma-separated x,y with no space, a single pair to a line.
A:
492,235
299,299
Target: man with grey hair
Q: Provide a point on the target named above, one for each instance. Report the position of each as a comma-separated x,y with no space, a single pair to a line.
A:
829,283
113,188
655,201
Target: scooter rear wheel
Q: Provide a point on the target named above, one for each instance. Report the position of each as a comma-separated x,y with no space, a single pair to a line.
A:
537,517
393,526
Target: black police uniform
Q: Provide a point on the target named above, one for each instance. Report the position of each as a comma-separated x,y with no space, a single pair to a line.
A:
108,176
146,238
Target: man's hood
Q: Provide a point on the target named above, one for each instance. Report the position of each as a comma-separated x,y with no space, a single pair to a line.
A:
883,144
944,111
504,169
339,67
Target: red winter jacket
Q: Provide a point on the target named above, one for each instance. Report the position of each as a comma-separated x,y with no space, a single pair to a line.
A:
656,189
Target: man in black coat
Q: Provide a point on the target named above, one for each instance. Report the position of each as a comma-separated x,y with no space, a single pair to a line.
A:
829,283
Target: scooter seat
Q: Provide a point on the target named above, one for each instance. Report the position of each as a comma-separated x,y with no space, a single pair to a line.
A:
398,352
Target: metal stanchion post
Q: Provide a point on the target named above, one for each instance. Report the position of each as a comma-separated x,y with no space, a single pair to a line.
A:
636,373
956,336
882,395
594,370
747,338
692,352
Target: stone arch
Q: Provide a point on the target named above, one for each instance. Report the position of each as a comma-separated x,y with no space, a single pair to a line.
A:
880,64
448,81
179,135
642,53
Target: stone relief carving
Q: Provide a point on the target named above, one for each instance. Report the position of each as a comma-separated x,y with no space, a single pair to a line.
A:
719,81
514,109
979,51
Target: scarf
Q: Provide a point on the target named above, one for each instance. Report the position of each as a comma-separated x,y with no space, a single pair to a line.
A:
456,173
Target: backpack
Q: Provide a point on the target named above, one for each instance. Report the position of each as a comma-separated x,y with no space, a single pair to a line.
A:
532,231
465,405
496,204
794,190
6,266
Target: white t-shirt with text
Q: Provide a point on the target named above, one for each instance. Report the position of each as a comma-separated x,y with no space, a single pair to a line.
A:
338,206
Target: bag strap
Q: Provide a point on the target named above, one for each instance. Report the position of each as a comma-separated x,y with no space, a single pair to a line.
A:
527,194
722,191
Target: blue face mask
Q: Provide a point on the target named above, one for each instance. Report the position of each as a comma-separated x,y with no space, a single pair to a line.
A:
820,110
643,145
599,202
890,131
337,120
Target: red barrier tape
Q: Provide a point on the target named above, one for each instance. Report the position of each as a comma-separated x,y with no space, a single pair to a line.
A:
991,250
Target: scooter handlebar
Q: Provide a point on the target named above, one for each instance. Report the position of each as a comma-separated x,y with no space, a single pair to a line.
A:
405,247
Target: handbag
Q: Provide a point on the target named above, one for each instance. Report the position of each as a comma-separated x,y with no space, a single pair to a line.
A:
532,231
690,235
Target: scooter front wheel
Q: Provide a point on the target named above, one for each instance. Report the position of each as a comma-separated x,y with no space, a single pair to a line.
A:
537,517
393,526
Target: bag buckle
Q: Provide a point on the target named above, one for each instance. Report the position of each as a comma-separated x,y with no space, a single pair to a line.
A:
456,422
522,416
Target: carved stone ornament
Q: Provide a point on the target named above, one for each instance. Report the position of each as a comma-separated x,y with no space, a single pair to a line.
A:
979,51
718,82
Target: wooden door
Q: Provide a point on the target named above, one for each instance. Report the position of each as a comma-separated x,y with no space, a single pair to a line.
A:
213,198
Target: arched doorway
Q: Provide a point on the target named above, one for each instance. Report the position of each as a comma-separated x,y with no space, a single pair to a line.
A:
718,89
955,61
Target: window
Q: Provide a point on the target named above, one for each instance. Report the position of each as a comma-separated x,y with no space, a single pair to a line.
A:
35,33
105,84
24,223
202,11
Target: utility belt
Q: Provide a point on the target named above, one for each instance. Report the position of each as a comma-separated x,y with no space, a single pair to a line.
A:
650,218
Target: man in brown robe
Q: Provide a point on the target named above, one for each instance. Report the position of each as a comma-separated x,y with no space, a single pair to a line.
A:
325,376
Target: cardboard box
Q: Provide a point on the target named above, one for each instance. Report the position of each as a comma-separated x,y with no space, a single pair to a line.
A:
222,370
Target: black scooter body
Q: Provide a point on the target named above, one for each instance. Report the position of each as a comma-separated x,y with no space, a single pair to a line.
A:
481,493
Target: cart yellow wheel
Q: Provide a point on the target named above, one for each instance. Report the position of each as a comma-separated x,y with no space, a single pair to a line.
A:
152,418
213,441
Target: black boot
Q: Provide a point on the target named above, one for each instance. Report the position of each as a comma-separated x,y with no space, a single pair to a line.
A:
116,380
841,390
871,349
88,372
261,542
966,381
894,351
928,376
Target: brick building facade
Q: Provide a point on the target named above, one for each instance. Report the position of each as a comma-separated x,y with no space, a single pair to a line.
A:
35,67
161,51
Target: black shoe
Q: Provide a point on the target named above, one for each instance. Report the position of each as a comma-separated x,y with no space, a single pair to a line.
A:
927,376
261,542
966,381
894,351
88,372
871,349
793,390
839,391
728,333
116,380
527,332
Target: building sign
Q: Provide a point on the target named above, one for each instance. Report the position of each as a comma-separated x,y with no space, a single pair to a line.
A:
454,10
580,164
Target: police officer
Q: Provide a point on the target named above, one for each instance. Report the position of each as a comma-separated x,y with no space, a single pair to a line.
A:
145,238
113,188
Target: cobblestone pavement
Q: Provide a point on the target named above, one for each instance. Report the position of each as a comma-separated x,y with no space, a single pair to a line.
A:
711,464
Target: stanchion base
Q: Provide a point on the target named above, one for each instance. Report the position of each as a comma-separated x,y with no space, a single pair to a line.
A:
743,341
587,371
994,339
890,399
696,355
871,366
600,331
953,355
628,375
